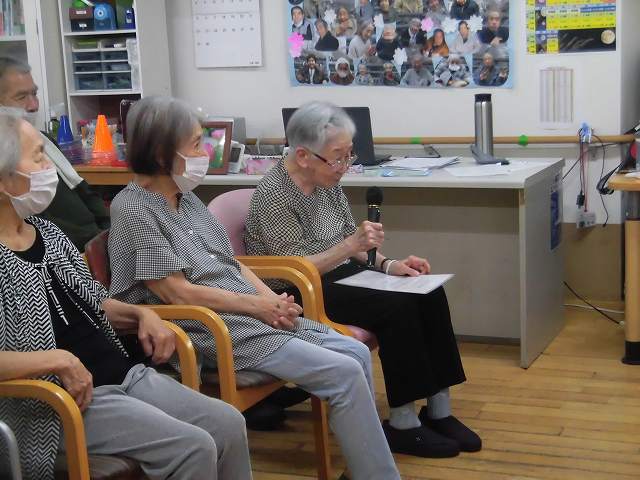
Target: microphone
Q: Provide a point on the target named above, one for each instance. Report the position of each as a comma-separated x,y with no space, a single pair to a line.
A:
374,200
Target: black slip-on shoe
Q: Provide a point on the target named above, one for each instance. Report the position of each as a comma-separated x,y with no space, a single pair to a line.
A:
452,428
419,442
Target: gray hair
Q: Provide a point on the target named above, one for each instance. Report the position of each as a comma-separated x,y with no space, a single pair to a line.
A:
156,126
11,63
363,26
314,123
9,142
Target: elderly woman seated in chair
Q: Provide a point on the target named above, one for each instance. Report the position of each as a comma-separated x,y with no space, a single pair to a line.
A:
165,247
58,324
299,209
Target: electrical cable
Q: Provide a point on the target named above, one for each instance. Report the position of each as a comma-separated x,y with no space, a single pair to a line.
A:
606,220
587,307
600,311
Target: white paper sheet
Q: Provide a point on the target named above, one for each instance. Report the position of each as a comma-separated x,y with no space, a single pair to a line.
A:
489,170
419,163
379,281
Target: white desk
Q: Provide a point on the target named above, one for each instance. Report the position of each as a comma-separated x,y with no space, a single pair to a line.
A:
493,233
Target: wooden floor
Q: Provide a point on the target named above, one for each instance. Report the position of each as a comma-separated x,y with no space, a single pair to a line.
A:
574,414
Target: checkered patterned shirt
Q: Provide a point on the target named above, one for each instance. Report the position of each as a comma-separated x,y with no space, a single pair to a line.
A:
150,241
284,221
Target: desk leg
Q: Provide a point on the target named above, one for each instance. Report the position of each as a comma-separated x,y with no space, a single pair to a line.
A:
632,293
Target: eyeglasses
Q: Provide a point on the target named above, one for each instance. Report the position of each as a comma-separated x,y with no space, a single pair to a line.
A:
345,161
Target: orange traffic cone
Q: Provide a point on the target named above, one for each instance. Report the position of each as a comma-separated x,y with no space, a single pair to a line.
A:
103,150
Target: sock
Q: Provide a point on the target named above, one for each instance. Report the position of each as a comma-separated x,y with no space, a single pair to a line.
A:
404,417
438,405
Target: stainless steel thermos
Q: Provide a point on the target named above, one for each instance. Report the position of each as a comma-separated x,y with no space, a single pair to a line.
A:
484,123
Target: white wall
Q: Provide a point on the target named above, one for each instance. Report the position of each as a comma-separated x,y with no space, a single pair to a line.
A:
259,93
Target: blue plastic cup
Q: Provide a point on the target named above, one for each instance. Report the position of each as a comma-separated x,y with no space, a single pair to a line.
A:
64,131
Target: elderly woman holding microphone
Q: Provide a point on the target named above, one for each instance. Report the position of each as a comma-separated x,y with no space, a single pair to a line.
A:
299,209
58,324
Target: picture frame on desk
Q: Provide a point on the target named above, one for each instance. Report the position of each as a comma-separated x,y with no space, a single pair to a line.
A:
216,141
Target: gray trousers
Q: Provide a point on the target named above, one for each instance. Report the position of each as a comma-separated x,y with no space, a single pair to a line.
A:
339,371
171,430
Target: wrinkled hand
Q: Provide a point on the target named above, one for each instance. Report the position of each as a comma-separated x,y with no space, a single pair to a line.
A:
158,341
496,41
368,235
75,378
278,311
411,266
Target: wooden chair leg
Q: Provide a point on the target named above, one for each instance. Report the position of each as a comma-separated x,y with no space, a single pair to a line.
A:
321,433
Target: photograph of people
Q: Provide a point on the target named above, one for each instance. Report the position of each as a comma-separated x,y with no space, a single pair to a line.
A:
345,24
389,41
437,12
299,208
409,7
317,8
389,76
364,10
418,75
59,325
464,9
413,36
342,75
364,77
492,33
360,45
466,41
310,72
452,72
301,24
326,41
487,72
436,45
389,14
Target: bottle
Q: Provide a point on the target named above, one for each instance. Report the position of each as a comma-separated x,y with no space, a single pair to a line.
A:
484,123
53,125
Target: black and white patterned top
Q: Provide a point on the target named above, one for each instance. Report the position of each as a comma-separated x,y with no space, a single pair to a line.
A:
284,221
150,241
25,326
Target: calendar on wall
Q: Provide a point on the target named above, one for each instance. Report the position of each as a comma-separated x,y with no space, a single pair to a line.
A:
227,33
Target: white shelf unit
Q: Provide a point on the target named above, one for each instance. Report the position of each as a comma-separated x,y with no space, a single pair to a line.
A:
89,72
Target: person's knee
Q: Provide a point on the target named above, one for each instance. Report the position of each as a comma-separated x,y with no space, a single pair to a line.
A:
349,370
231,421
202,445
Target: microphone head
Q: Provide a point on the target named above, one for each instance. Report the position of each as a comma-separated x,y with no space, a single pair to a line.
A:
374,196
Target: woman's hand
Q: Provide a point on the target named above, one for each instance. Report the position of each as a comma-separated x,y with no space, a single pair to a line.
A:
368,235
158,341
411,266
75,378
278,311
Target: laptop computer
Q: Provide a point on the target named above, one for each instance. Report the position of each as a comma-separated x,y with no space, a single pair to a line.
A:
363,139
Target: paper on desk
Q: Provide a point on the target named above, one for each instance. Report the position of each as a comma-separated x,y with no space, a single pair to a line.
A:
379,281
420,163
632,175
489,170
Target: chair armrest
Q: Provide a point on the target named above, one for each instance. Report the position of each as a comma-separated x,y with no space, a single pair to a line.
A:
69,413
260,264
186,356
220,332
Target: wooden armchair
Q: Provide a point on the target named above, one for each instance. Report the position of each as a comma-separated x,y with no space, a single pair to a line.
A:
77,465
240,389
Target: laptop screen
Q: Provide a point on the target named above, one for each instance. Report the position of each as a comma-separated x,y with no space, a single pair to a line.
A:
363,139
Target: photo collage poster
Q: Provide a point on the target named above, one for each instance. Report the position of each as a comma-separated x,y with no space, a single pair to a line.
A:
399,43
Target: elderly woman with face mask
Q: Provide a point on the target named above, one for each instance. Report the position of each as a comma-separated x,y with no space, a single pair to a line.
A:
165,247
58,324
299,209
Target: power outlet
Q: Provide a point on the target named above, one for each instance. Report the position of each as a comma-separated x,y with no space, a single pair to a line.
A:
585,219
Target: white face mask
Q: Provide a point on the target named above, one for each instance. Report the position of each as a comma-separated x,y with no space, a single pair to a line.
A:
195,169
454,67
40,194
